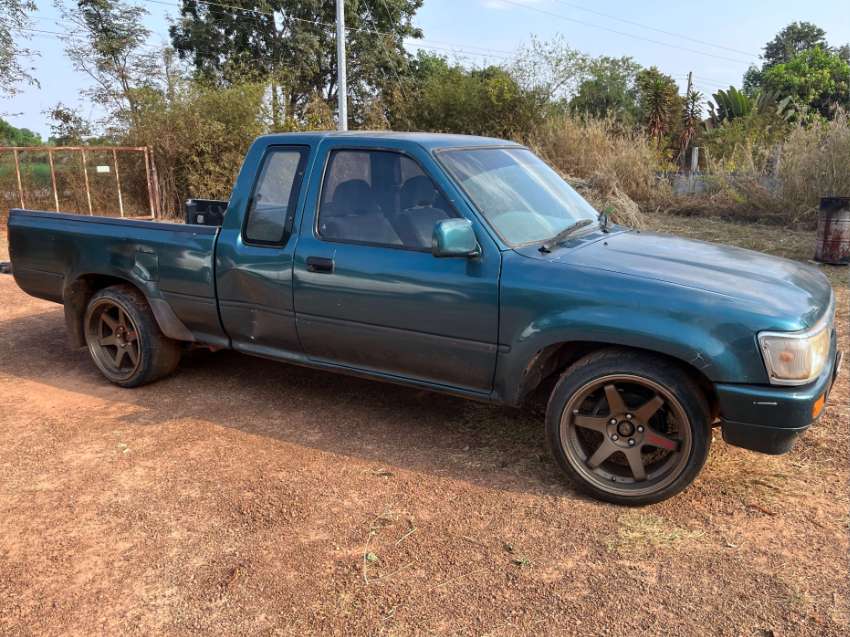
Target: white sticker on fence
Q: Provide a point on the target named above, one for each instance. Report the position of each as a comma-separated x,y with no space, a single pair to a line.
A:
102,169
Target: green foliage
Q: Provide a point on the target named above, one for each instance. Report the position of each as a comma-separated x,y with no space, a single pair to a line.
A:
440,96
791,41
744,144
733,104
288,43
68,127
658,102
107,46
13,18
691,118
551,68
799,63
11,136
199,134
815,78
610,90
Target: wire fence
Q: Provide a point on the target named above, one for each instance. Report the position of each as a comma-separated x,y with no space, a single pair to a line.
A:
111,181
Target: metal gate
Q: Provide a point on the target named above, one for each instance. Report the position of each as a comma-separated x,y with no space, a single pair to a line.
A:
104,186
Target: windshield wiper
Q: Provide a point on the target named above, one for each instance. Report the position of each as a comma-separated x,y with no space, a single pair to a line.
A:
563,234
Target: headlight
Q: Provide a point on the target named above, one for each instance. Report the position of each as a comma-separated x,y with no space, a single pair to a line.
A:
797,358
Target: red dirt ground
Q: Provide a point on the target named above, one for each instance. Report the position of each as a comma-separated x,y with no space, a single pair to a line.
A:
243,496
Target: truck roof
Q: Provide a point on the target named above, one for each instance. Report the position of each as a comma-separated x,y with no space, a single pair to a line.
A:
426,140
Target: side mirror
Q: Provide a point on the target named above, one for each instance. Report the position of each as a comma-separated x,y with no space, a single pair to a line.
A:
454,238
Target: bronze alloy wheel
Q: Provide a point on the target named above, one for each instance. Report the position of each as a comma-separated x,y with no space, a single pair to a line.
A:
114,339
626,435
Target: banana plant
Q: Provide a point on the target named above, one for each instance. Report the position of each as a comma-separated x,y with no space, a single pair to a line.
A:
732,104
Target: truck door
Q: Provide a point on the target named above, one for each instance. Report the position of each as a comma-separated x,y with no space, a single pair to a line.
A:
255,252
369,295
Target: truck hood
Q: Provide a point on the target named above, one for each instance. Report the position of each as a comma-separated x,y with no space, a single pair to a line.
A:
794,295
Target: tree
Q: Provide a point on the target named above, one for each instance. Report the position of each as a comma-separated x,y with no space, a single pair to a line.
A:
658,102
551,68
444,97
107,43
792,40
11,136
815,79
691,118
610,90
68,127
13,19
292,44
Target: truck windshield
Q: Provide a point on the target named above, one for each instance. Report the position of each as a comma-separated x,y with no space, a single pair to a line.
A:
520,196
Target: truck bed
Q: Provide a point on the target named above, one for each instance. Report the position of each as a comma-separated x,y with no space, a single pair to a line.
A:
171,263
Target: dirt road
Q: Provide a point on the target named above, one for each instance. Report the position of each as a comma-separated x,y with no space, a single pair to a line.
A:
248,497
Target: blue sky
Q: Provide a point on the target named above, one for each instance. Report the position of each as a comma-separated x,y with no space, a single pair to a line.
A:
735,29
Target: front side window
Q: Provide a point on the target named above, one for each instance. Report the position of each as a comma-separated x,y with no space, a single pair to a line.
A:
522,198
275,195
379,198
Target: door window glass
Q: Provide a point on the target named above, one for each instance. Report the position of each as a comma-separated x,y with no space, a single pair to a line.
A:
380,198
275,195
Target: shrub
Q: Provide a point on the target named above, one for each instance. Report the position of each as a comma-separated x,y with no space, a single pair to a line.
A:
199,135
443,97
613,167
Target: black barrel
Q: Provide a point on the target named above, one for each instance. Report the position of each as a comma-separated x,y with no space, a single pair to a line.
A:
833,242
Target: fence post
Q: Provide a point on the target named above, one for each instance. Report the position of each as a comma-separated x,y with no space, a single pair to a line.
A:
156,195
86,178
692,179
53,179
118,182
18,174
150,188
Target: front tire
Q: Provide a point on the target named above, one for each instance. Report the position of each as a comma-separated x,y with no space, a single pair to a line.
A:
628,427
124,339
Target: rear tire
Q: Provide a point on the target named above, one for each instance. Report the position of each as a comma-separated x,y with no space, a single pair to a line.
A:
124,339
628,427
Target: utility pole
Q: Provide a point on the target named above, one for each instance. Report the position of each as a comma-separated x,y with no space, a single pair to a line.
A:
341,89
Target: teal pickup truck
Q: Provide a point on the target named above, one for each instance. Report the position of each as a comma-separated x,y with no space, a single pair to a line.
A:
462,265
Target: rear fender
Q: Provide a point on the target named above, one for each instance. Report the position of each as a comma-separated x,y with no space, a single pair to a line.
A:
82,287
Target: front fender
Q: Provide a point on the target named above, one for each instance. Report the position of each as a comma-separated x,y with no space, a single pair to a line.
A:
543,307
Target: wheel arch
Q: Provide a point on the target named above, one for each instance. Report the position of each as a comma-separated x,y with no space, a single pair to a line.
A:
77,294
545,366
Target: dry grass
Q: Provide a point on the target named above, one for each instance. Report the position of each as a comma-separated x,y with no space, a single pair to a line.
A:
593,148
815,164
758,481
639,529
811,163
612,167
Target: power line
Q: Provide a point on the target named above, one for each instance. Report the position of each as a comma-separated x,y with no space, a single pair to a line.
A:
622,33
319,23
420,43
707,81
657,30
65,35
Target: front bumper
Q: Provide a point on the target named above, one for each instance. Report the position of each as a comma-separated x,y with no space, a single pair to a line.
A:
769,418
